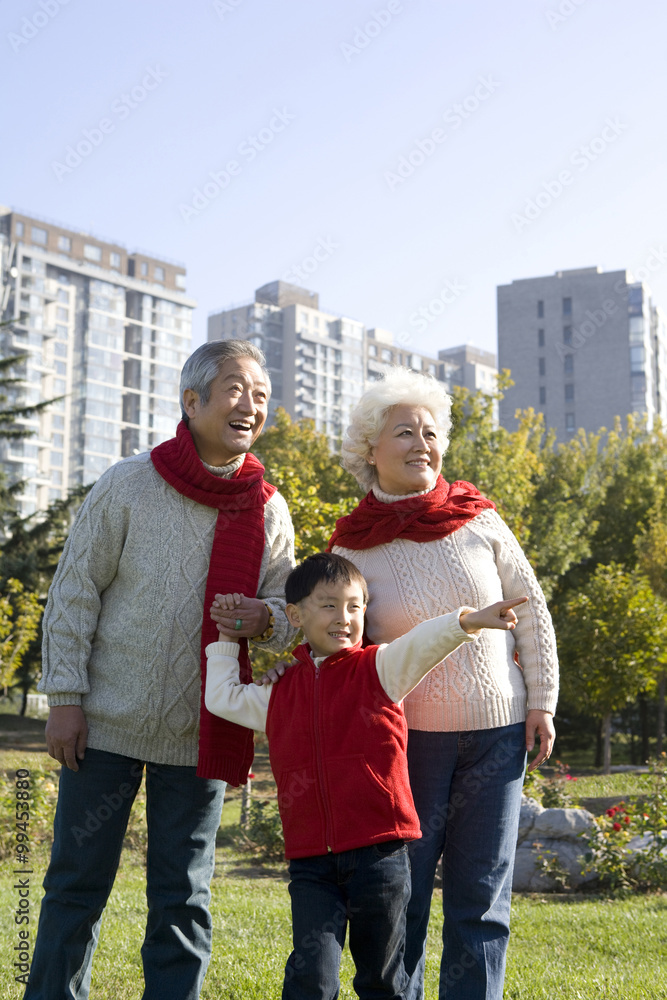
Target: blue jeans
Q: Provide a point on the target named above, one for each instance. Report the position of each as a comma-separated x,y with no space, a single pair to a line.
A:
467,790
183,815
367,888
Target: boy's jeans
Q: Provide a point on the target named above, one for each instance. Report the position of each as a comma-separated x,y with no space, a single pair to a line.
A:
368,888
183,814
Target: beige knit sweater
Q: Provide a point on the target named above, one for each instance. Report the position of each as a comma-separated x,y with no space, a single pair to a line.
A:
122,626
479,686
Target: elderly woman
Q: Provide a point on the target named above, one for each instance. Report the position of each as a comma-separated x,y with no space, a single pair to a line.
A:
427,547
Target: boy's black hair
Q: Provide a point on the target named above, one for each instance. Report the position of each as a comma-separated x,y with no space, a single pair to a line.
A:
323,567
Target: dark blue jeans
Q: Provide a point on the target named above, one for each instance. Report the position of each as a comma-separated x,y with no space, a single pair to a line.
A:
467,790
183,814
368,889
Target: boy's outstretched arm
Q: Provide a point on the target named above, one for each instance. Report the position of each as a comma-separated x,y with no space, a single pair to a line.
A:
402,664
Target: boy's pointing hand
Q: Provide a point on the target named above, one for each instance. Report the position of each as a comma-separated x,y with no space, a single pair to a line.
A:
499,615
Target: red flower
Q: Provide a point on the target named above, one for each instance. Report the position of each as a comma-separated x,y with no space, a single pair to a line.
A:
627,819
611,812
617,826
251,776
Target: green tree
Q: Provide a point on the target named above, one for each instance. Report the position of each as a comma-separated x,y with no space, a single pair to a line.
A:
612,640
20,612
315,486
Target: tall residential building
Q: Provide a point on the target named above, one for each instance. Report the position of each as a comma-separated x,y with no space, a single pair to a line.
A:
319,362
583,347
103,328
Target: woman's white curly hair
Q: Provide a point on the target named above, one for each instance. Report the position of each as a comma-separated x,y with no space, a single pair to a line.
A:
398,386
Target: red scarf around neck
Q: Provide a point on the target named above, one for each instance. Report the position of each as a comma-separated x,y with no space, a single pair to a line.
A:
445,509
225,749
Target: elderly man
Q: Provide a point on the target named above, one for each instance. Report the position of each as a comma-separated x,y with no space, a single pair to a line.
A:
125,627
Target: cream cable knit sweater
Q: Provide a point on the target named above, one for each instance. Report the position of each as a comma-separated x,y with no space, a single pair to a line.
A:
479,686
122,626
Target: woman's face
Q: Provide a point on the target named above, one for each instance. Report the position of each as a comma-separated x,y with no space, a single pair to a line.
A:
408,454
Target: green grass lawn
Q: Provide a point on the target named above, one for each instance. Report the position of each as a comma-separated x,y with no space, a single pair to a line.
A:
574,948
569,947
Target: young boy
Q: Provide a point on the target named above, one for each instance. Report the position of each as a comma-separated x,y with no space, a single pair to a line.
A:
337,740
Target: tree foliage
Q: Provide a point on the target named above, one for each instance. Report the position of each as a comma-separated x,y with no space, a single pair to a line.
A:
20,612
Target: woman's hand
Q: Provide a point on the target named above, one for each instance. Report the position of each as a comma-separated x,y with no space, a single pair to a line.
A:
273,674
498,615
540,724
228,610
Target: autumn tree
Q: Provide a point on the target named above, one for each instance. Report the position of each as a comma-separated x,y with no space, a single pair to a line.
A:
612,643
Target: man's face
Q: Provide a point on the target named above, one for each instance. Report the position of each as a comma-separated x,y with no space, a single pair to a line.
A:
228,424
332,617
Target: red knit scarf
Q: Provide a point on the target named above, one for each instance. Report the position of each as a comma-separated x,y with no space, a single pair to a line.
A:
225,749
445,509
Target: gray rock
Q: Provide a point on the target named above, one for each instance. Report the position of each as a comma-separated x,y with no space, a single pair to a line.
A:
530,810
562,823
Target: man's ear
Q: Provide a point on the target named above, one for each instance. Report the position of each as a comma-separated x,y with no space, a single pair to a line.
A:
293,617
190,401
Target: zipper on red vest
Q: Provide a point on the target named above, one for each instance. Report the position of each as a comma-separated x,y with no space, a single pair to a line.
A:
318,754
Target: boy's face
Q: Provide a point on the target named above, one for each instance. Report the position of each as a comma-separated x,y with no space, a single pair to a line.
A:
332,617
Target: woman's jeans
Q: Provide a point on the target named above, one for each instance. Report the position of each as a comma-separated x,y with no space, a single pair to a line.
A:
467,790
183,815
367,888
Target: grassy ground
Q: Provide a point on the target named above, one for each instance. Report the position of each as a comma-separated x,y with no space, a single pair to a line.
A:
570,947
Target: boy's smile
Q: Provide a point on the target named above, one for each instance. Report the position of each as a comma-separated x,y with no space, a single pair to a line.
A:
332,617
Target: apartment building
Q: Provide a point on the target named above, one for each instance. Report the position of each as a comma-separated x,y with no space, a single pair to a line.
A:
319,362
106,330
583,347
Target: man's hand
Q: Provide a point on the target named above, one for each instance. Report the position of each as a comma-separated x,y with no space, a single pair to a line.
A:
228,609
540,724
498,615
67,735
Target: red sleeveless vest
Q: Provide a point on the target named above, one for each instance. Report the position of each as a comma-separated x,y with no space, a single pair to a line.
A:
337,746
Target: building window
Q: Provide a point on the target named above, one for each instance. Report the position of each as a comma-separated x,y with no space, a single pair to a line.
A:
143,269
567,334
64,243
91,252
39,235
62,314
372,350
542,366
19,229
567,307
540,308
569,423
158,273
568,364
637,358
540,338
569,392
543,395
385,354
114,260
180,281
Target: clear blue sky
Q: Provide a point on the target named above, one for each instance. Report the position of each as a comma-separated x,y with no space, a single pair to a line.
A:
535,85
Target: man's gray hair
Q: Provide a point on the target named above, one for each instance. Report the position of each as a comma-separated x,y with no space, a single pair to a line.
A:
203,366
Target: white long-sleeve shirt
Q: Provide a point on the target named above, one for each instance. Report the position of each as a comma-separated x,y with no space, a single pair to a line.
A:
400,664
